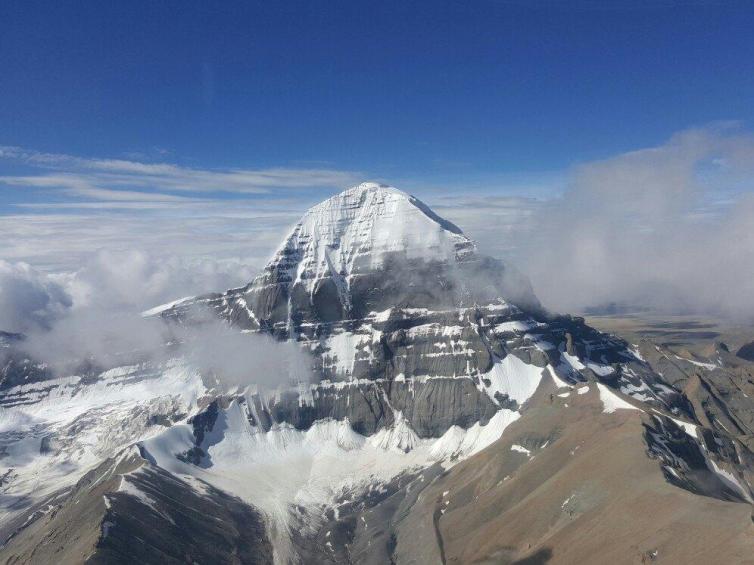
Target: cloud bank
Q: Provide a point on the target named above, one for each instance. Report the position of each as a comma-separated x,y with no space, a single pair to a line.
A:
112,282
667,228
92,318
30,300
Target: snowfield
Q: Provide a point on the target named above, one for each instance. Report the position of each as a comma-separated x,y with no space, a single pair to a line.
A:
65,427
285,468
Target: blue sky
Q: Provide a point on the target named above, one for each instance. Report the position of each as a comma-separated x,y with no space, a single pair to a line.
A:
425,91
202,130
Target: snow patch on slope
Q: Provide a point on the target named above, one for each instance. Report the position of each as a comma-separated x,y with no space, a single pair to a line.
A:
611,401
398,437
512,377
457,443
520,449
573,361
729,479
559,383
162,307
690,429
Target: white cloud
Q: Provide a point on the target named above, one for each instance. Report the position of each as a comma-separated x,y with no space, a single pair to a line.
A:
131,281
119,179
94,315
29,299
498,224
667,228
114,283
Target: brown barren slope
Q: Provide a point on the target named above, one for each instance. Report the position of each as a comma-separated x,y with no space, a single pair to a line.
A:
587,493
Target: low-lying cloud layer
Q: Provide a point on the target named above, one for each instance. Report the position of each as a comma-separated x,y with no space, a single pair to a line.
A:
57,209
94,315
113,282
222,355
667,228
29,299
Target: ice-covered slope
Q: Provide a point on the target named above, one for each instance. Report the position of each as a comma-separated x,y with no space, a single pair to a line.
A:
357,231
53,432
295,477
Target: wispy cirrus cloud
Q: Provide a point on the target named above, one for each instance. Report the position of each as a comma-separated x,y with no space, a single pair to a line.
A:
77,186
56,210
128,180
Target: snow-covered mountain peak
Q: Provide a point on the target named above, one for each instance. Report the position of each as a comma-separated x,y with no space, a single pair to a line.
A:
358,228
369,249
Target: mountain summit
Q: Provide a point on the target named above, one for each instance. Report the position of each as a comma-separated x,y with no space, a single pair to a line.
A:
347,239
366,249
360,228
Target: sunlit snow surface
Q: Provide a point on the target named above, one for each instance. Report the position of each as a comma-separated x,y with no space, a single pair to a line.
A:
162,307
67,426
612,401
514,378
355,229
283,467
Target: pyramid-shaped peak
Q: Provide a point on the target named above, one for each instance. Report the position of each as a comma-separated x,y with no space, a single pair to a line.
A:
357,230
367,249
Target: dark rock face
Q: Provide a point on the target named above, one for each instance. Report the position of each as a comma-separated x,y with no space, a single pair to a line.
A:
16,368
129,511
180,526
687,462
285,308
718,394
746,351
432,406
